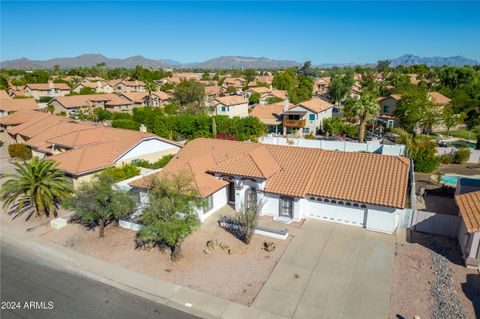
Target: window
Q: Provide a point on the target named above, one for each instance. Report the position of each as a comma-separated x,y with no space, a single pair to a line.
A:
312,198
306,130
340,203
223,108
250,198
356,205
319,199
363,206
311,117
326,200
209,204
386,109
348,204
286,207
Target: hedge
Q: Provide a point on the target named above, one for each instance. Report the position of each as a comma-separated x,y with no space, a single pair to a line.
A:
20,151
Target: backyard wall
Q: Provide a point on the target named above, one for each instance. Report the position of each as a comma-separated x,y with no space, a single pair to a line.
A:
438,224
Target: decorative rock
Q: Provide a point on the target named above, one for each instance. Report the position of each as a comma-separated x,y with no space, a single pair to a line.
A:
269,246
207,251
212,244
58,223
231,251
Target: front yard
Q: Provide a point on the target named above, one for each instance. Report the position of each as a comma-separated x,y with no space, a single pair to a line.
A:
430,280
235,272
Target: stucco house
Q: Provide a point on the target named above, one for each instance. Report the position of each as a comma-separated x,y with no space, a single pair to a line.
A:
468,201
38,90
129,86
266,93
388,106
294,183
141,98
99,87
73,105
306,117
231,106
271,115
9,105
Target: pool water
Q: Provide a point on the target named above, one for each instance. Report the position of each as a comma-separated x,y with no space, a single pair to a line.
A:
452,180
461,143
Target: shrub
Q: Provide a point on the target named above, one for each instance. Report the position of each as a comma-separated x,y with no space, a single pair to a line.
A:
424,157
19,151
446,158
462,155
126,124
155,165
123,172
44,99
310,137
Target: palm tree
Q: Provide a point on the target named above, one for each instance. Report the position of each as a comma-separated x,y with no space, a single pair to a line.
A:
150,87
364,109
36,186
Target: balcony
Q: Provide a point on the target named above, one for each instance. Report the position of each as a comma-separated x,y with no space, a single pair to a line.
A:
294,123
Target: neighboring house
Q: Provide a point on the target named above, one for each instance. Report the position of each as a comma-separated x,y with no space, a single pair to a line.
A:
129,86
16,91
265,94
320,86
292,183
38,90
306,117
468,202
238,83
9,105
75,104
99,87
231,106
159,98
271,115
211,93
82,149
388,106
190,76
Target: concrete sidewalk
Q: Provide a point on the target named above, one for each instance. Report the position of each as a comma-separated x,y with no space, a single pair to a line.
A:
175,296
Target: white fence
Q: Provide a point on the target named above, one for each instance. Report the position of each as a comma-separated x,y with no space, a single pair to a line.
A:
474,155
438,224
371,147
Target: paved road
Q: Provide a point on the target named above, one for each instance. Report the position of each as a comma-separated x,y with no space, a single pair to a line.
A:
25,278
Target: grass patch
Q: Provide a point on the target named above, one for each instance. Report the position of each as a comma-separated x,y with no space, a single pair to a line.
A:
462,133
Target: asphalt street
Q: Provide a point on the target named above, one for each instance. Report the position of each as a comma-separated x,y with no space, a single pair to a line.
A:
40,289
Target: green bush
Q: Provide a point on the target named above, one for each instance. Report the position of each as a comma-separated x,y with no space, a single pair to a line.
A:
123,172
462,155
19,151
44,99
424,157
335,126
446,158
126,124
155,165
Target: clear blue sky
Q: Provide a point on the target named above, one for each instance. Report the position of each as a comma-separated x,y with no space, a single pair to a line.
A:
195,31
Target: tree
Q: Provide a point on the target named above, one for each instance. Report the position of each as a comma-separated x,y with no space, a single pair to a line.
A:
364,109
302,91
254,98
383,66
190,92
102,114
411,108
450,119
171,212
231,90
250,75
284,80
340,85
306,69
35,187
247,220
150,87
214,127
97,202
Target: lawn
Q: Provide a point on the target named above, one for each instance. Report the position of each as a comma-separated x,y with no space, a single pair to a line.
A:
461,133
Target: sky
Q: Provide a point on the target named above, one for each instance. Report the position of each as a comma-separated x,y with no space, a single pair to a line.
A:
323,32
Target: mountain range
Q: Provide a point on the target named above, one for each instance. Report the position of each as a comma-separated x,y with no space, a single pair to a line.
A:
222,62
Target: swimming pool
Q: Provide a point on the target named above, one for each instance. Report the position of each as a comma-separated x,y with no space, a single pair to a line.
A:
452,180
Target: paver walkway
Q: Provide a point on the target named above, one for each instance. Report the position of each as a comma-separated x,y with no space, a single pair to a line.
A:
331,270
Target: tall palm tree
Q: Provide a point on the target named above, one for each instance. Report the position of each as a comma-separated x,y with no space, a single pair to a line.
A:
364,109
150,87
36,187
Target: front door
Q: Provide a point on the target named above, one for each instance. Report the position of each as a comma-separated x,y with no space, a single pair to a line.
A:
250,198
286,207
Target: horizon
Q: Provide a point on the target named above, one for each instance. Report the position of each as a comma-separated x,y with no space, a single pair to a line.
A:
189,32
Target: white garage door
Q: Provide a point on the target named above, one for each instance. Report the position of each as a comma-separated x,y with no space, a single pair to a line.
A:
337,213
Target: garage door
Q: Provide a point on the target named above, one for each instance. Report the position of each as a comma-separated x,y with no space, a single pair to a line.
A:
337,213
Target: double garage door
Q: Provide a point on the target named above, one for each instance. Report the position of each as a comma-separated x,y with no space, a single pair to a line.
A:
337,213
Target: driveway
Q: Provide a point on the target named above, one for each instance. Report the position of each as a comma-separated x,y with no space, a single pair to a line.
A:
331,270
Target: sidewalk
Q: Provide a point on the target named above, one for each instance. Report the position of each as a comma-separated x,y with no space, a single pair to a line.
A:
175,296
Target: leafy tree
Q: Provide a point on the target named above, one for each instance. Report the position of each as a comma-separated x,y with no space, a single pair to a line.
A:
450,119
214,127
250,75
102,114
122,172
274,99
340,86
206,75
254,98
155,165
171,213
333,126
97,202
306,69
422,151
411,108
383,66
190,92
3,82
126,124
231,90
301,92
364,109
284,80
35,187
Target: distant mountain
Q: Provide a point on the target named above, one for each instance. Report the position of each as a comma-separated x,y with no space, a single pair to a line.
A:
222,62
409,59
239,62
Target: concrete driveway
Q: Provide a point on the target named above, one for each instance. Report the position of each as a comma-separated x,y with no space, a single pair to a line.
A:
331,271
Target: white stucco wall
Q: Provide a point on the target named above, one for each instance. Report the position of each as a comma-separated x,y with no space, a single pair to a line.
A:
219,200
381,219
240,110
147,147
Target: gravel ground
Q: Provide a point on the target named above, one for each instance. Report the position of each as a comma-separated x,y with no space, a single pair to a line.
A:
237,276
430,281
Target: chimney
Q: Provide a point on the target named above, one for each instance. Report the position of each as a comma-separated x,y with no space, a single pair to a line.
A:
285,104
143,128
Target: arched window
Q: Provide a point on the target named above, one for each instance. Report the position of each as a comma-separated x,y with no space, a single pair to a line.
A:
319,199
348,204
312,198
340,203
363,206
333,201
326,200
355,205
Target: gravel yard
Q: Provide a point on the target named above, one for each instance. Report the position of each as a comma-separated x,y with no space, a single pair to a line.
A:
430,280
237,276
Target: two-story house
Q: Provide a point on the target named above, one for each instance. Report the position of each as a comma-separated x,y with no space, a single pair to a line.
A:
234,105
75,104
306,117
99,87
38,90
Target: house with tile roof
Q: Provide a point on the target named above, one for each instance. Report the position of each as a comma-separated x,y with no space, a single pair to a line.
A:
292,183
38,90
82,149
266,93
141,98
306,117
129,86
98,86
271,115
75,104
468,201
9,105
231,106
